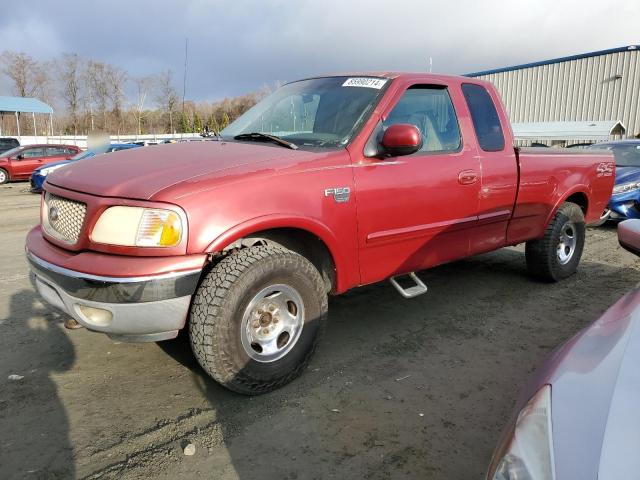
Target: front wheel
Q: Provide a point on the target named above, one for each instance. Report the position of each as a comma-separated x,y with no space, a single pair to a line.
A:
556,255
257,317
4,176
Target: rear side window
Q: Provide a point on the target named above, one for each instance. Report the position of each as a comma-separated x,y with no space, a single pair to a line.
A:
485,117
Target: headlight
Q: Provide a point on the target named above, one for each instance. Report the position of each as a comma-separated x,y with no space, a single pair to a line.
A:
626,187
529,452
48,170
138,227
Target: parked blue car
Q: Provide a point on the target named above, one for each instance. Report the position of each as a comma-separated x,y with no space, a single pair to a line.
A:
39,175
625,200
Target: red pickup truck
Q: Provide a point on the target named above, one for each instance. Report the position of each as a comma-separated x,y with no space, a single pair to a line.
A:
328,184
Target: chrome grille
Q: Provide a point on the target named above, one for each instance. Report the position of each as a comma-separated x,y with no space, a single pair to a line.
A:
63,218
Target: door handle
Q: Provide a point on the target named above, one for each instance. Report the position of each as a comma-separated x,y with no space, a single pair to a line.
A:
467,177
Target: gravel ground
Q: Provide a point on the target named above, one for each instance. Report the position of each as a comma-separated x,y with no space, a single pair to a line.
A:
399,388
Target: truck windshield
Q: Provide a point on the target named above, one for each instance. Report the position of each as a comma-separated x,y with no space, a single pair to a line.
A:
320,112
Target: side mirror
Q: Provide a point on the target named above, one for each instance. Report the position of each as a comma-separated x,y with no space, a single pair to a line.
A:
20,157
629,235
401,139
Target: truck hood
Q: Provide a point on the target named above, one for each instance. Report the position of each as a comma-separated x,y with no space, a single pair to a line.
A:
595,384
141,173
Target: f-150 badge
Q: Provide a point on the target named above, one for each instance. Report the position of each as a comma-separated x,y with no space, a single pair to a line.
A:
339,194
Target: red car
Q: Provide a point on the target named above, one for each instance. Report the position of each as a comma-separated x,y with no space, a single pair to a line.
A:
327,184
20,162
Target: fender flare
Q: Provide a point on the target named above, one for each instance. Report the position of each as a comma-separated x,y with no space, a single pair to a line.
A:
269,222
583,189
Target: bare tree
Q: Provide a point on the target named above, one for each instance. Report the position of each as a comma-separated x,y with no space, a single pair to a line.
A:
28,76
115,79
143,86
97,90
98,95
69,68
167,97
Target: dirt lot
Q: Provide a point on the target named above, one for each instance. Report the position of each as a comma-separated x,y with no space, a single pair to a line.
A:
399,389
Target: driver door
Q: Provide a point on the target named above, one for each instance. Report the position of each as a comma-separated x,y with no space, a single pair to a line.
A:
416,211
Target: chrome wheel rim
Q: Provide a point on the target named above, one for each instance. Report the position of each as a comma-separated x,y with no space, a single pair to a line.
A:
272,323
567,243
3,177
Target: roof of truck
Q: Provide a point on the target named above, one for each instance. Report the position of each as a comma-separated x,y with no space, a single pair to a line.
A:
389,75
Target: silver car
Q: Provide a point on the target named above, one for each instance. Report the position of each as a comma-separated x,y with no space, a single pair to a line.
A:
579,417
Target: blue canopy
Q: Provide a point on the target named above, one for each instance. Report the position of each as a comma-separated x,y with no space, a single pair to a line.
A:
23,105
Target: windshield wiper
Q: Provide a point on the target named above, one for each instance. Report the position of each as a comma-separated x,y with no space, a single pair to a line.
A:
264,136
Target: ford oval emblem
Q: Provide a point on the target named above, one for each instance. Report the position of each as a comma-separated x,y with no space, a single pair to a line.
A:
53,214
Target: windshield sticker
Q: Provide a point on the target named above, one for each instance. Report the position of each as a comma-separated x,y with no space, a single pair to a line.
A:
376,83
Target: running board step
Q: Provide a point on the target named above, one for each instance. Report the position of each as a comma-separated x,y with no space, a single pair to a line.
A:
418,289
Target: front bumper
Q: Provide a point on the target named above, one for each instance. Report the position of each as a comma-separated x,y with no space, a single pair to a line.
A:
36,182
624,206
137,309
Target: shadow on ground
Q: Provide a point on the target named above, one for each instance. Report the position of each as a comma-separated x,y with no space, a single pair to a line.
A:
399,388
34,441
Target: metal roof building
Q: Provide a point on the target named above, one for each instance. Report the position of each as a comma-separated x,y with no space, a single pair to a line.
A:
23,104
591,87
18,105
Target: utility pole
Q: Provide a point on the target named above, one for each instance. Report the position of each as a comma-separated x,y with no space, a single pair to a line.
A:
184,81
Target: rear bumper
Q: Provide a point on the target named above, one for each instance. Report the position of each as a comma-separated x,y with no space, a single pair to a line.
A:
145,307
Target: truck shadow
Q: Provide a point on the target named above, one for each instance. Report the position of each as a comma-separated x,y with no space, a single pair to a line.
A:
34,424
284,434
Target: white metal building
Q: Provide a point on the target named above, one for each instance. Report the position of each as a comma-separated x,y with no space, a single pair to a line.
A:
596,86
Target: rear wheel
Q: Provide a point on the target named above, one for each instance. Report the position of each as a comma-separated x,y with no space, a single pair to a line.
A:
257,317
557,255
4,176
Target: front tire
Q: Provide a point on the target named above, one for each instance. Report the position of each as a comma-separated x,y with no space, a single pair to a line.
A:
556,255
4,176
257,317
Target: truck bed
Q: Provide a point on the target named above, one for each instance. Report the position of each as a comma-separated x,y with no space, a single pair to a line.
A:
555,175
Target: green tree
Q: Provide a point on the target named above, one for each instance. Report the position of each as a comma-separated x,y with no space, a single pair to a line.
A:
184,123
197,122
225,120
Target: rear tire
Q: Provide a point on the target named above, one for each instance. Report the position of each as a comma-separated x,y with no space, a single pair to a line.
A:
556,255
4,176
257,317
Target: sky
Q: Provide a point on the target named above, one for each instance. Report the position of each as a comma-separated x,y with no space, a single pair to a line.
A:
238,46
